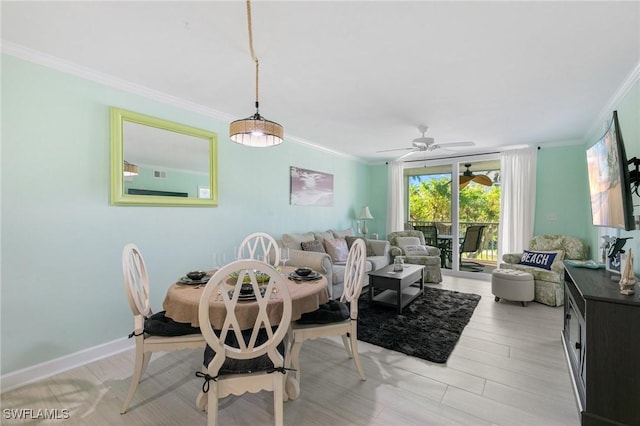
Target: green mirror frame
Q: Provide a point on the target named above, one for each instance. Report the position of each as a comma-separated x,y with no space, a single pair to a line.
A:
118,196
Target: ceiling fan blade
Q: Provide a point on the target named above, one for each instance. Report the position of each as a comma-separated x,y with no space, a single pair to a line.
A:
395,149
449,144
402,157
464,180
483,180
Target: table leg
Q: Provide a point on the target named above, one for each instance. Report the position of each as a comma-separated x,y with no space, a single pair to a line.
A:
399,296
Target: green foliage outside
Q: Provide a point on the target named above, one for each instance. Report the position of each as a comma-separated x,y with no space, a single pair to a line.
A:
431,202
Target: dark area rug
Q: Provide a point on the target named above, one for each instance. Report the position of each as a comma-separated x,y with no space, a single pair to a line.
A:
428,328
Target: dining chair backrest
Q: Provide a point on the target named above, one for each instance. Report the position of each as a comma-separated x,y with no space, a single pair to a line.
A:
472,239
260,244
430,234
354,274
236,273
136,280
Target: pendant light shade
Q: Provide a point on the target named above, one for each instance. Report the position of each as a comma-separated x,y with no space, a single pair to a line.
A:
255,131
130,169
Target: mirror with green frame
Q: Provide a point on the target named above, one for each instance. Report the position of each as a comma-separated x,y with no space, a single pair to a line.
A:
162,163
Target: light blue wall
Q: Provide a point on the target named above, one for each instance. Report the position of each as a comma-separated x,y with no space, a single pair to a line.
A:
562,191
562,182
629,119
62,288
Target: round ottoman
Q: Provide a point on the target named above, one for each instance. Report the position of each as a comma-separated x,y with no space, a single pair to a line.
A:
512,285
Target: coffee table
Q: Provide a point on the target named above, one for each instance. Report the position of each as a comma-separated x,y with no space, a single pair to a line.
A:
398,286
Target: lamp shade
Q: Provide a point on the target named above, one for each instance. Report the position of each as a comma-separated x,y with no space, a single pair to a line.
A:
130,169
256,131
365,214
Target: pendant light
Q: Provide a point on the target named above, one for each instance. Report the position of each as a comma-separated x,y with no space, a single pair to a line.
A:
130,169
256,130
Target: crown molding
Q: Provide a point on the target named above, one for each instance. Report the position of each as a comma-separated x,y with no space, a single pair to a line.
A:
67,67
605,113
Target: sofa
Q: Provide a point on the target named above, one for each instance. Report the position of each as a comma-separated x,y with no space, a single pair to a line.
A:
410,246
548,278
310,249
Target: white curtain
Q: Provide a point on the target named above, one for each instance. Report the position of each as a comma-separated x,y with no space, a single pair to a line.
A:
395,209
518,200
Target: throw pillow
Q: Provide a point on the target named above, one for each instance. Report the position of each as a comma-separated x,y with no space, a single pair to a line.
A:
350,241
293,241
416,250
539,259
403,242
337,249
344,233
314,245
321,236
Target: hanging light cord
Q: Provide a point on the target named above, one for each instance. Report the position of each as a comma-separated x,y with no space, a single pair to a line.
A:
253,55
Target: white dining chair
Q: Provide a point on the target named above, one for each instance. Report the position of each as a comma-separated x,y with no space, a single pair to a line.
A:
244,360
136,282
260,244
353,281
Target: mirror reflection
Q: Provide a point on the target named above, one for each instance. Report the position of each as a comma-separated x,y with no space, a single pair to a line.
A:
159,162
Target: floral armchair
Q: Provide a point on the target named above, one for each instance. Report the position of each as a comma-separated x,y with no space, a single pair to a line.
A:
549,287
410,245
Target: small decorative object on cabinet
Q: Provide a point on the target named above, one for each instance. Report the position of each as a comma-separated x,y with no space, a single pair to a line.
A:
602,347
628,279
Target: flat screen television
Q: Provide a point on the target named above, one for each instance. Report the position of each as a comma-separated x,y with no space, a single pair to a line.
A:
609,183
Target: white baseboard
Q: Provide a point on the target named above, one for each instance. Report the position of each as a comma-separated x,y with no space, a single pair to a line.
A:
46,369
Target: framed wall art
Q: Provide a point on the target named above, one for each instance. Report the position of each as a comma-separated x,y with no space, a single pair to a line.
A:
310,187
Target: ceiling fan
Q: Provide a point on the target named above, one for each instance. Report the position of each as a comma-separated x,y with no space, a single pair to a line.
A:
468,176
426,143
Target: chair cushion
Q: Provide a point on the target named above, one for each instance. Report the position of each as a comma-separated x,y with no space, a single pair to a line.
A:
314,245
242,366
540,259
159,324
332,311
337,249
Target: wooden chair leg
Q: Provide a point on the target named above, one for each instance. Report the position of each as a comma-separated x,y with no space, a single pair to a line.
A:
295,360
212,404
141,362
347,346
356,355
278,399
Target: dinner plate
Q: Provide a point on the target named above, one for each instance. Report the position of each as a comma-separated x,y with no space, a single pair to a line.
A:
313,276
245,297
188,281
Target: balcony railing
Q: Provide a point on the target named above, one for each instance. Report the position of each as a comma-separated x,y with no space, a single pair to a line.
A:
488,252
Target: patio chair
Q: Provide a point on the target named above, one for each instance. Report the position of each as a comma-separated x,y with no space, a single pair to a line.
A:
471,244
166,335
239,361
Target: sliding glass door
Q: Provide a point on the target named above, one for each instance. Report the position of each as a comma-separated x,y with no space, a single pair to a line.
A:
460,216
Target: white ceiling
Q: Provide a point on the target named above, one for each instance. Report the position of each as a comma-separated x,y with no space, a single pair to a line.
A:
358,77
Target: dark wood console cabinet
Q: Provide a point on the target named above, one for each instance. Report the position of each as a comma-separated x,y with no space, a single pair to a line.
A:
601,337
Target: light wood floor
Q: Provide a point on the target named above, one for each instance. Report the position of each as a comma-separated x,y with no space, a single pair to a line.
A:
507,369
